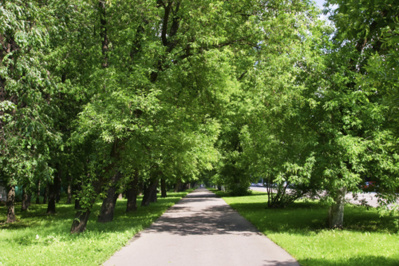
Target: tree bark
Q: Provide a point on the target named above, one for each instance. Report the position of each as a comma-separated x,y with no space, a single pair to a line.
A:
69,190
150,192
11,205
53,192
108,206
80,221
45,194
132,192
25,200
153,197
163,188
178,186
38,193
336,211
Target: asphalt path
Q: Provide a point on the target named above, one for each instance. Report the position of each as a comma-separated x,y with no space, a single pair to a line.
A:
201,229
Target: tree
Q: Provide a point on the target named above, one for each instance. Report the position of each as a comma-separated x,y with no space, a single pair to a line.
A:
356,140
26,108
167,43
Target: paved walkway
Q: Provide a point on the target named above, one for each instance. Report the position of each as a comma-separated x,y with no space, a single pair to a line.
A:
201,230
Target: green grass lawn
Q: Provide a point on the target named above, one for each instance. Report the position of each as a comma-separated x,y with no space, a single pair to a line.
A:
367,239
39,239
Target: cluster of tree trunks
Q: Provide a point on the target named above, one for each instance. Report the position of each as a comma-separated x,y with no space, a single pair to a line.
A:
150,191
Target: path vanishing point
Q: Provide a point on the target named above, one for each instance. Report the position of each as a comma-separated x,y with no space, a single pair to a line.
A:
201,229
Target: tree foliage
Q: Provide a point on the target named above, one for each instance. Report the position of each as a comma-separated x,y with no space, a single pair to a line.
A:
118,96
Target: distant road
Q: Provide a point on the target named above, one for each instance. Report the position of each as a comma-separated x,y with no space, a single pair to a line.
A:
370,198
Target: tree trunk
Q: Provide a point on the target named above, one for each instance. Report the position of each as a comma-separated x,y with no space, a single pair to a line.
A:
178,186
131,193
29,199
80,221
53,192
69,190
11,205
38,193
108,206
163,188
153,193
45,194
150,192
336,211
25,200
82,216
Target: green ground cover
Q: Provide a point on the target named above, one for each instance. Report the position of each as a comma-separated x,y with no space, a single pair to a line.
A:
39,239
367,239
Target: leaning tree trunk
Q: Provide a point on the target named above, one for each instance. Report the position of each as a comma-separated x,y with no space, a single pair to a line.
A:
53,192
336,211
150,192
11,205
108,206
163,188
132,192
80,221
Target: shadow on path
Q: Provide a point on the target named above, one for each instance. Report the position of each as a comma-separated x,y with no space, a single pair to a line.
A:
202,229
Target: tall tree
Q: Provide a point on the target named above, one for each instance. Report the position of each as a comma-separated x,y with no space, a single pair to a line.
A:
26,108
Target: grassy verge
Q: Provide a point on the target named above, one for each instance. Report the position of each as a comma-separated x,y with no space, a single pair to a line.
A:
38,239
367,239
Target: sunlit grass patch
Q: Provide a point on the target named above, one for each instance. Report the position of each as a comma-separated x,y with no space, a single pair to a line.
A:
40,239
368,238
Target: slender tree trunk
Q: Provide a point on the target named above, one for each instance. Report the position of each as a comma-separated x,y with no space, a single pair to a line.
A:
11,204
58,192
38,193
336,211
163,188
25,200
69,190
53,192
45,194
108,206
132,192
29,199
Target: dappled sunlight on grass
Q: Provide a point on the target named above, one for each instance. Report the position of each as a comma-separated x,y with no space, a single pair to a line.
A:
300,228
37,238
